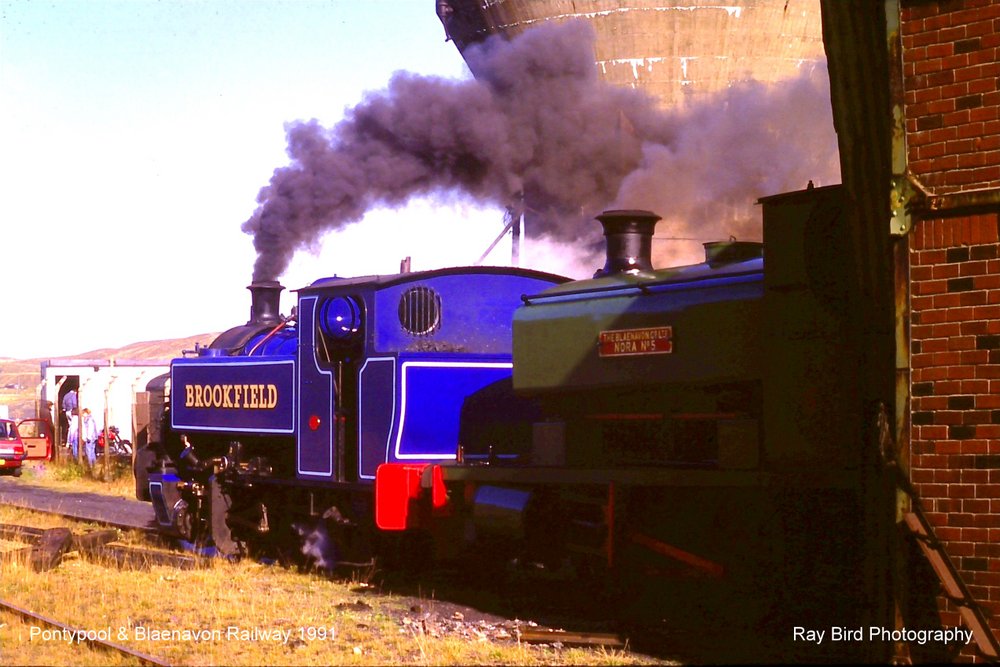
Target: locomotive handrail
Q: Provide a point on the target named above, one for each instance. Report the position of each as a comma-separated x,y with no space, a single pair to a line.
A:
651,287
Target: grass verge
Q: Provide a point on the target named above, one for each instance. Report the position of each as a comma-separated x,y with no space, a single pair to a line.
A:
245,613
68,475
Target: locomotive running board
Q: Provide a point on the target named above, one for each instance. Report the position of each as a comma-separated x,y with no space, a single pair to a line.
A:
951,581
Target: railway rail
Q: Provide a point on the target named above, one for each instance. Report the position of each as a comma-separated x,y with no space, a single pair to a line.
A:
90,638
44,549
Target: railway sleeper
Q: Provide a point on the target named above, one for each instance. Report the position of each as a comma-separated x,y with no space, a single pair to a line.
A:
46,546
45,549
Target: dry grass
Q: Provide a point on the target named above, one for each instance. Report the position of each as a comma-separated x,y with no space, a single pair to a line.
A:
322,621
68,476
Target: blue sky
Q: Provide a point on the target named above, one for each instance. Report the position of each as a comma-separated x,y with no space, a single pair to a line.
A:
135,135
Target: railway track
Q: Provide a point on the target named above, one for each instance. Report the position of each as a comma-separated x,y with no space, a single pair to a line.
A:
44,549
109,511
94,639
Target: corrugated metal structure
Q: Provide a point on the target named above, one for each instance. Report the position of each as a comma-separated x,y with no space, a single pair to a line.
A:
107,386
673,50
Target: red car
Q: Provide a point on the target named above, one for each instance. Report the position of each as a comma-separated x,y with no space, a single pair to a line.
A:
11,449
36,435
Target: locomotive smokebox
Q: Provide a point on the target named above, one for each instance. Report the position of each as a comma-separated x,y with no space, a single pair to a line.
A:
265,297
629,237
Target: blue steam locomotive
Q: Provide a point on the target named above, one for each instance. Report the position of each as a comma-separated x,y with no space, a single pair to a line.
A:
692,423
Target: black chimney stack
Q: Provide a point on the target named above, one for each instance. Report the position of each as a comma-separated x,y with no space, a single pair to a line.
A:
265,297
630,241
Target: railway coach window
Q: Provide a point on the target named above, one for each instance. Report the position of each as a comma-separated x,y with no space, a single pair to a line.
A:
420,311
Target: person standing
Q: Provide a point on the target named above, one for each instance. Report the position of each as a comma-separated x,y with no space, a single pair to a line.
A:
89,437
69,404
73,437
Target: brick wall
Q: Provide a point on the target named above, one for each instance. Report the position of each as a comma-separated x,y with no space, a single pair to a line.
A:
951,90
951,70
955,362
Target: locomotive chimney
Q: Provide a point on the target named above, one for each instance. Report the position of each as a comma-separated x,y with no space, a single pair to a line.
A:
629,240
265,296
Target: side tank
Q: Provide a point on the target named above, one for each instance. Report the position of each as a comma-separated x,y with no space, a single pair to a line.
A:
741,361
640,366
633,326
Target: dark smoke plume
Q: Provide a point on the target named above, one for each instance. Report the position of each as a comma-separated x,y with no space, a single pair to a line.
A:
749,141
537,120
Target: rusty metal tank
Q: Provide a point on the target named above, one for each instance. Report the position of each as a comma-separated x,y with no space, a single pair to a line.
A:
674,50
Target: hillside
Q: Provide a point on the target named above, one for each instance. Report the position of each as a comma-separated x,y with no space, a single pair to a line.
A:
19,378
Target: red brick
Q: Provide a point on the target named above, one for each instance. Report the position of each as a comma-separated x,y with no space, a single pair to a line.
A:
975,446
934,345
974,268
987,401
959,343
987,431
946,329
975,357
971,161
931,461
963,313
946,533
947,447
961,549
974,535
948,476
972,328
976,417
991,371
964,491
947,300
930,402
964,372
961,519
990,312
946,270
933,432
970,131
977,114
975,298
931,287
948,387
948,505
989,550
977,506
986,520
974,387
